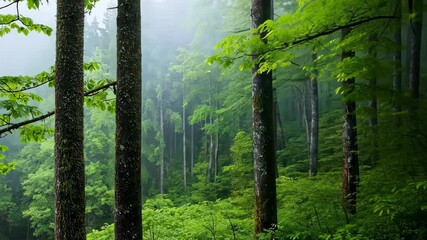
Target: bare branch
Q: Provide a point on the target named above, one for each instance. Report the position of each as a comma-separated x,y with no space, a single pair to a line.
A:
9,4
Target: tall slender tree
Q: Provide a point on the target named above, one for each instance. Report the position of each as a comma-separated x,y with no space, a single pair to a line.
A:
414,34
128,219
350,171
265,205
314,132
69,160
162,142
397,57
184,140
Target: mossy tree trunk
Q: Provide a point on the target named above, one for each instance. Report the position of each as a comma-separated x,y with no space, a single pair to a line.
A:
128,220
265,205
69,160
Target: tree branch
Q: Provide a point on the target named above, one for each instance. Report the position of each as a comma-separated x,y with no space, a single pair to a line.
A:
9,4
308,37
103,87
338,28
14,126
24,88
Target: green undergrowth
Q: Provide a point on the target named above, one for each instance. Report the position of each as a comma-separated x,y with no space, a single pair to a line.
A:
308,208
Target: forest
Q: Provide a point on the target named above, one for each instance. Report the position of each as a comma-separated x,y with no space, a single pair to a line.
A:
213,119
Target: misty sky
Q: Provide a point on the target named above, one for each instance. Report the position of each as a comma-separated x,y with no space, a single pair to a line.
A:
29,55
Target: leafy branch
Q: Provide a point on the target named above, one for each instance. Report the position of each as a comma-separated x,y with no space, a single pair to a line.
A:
235,47
308,37
9,21
14,126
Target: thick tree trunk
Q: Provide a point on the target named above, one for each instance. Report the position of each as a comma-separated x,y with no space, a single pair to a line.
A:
69,160
414,34
350,171
128,219
265,204
314,131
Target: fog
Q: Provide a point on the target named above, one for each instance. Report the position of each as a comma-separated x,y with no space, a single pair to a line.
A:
29,55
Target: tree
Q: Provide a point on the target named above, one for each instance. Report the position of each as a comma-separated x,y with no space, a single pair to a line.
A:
397,58
128,221
414,35
314,129
265,206
350,171
69,161
184,141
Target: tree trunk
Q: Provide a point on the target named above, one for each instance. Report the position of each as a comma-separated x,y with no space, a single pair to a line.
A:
192,150
211,156
282,131
162,146
350,171
184,156
314,131
128,220
414,34
216,155
211,142
69,160
304,113
265,204
397,58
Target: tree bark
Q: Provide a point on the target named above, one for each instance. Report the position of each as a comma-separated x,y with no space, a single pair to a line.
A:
314,131
350,171
69,160
265,204
128,220
414,34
